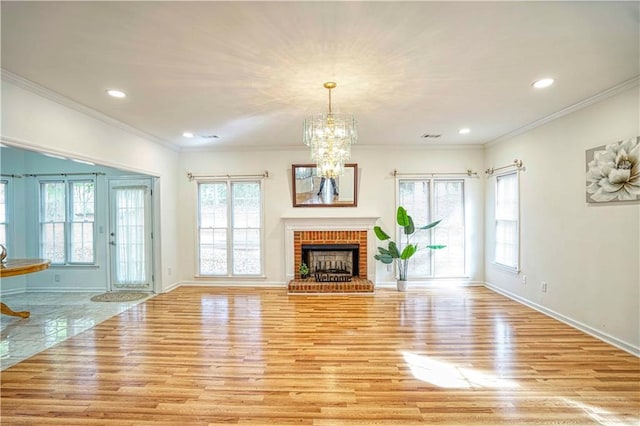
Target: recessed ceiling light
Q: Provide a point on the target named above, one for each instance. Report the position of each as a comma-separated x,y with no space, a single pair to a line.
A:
464,131
83,162
116,93
188,134
542,83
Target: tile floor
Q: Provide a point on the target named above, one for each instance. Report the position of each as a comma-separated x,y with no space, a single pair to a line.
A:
54,317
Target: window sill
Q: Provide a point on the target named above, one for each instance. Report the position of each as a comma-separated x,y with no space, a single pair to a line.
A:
53,266
511,269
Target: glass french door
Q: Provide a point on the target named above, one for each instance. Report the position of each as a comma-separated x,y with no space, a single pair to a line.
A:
130,234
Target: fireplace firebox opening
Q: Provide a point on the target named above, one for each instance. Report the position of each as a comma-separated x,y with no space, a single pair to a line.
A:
332,262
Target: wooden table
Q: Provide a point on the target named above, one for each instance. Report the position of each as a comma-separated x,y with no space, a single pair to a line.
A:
14,267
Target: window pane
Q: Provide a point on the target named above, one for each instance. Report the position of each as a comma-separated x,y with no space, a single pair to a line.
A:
246,205
246,251
82,207
213,205
53,201
507,243
507,228
449,206
246,228
82,217
213,251
507,197
53,242
53,210
212,201
414,196
82,242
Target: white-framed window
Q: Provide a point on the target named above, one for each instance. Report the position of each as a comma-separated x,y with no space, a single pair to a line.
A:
507,222
4,209
67,216
426,201
230,228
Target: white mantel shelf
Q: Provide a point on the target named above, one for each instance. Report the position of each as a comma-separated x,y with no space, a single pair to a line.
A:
360,223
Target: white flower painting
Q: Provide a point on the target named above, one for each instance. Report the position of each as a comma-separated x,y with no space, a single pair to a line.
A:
613,172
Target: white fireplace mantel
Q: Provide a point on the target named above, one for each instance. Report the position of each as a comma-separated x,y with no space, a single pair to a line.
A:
292,224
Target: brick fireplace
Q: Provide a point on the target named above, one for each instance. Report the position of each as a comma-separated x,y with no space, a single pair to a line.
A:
331,233
331,239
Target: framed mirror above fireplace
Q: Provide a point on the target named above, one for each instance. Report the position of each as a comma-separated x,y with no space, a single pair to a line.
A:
311,190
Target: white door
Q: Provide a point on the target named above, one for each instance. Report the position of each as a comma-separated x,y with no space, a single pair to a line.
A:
130,234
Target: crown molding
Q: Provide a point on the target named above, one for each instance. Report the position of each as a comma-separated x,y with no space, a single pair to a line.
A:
598,97
49,94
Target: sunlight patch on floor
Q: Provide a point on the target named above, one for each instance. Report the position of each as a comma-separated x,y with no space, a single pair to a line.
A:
448,375
600,415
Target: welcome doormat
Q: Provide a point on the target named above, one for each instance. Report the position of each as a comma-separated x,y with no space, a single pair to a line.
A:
119,296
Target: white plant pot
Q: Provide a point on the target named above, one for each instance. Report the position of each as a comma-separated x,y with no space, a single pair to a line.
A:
402,285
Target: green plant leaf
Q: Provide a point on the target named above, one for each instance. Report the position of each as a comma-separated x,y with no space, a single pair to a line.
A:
380,233
408,252
435,247
393,249
383,250
410,228
402,217
384,258
431,225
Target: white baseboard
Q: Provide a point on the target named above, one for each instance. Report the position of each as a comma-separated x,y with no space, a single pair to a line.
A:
11,291
598,334
200,283
440,283
171,287
64,290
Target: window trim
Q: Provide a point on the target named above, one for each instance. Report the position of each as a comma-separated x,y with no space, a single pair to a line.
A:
67,219
229,275
513,269
431,179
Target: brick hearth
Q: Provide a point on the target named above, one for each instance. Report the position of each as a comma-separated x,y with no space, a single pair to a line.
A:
309,285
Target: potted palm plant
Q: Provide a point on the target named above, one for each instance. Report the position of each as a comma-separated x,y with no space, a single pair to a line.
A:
403,252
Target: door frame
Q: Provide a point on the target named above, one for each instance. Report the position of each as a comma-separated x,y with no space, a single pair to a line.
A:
155,247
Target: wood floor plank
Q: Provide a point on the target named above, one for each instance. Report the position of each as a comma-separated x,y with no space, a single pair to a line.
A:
257,356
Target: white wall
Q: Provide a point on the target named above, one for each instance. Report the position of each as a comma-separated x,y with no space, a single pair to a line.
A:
39,123
376,196
588,254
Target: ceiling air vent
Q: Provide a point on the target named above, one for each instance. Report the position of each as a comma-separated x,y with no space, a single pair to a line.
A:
430,135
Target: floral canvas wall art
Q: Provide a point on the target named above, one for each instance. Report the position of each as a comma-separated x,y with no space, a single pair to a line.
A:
613,172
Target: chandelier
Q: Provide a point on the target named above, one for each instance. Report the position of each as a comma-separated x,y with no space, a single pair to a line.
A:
330,136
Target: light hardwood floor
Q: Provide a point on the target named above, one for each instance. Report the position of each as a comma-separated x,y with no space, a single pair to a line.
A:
259,356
